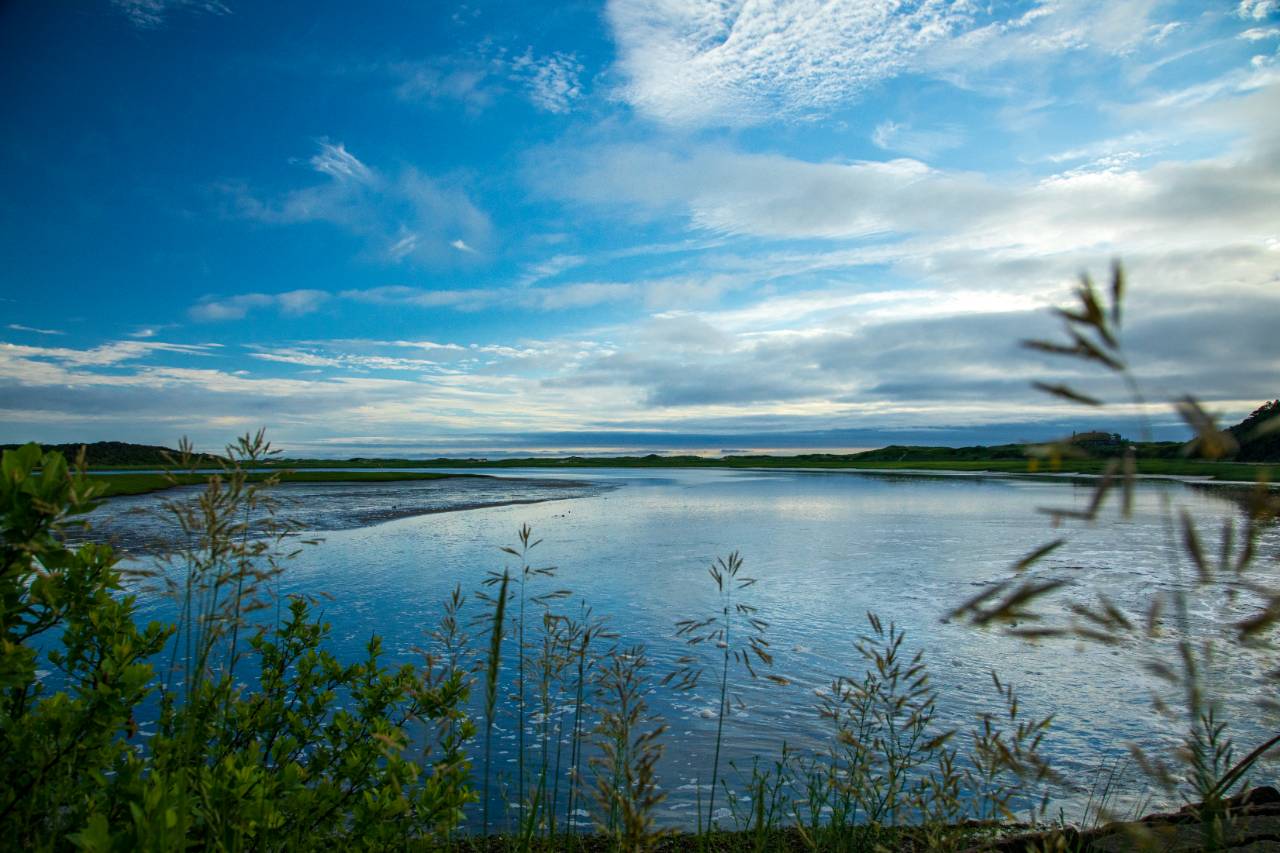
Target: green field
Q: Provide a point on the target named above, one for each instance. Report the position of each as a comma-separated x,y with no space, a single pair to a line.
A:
139,484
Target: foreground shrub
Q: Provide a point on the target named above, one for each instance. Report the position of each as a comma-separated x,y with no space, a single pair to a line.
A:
315,752
57,747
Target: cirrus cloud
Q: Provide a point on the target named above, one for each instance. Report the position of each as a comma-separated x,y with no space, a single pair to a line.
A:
407,216
694,62
291,303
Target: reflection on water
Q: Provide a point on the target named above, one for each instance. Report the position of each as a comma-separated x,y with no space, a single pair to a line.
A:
826,548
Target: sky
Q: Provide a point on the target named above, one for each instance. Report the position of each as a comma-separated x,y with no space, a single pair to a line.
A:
627,226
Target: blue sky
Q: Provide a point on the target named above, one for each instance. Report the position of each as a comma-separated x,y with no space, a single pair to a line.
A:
625,226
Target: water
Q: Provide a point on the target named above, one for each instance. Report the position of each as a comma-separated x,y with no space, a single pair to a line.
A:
826,548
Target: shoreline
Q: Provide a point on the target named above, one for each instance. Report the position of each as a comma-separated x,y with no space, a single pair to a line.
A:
1190,479
123,482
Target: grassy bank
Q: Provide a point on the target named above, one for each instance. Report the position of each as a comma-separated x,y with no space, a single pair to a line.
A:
776,839
116,485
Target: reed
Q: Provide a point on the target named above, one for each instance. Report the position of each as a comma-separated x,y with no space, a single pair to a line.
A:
718,630
585,635
629,742
550,662
493,664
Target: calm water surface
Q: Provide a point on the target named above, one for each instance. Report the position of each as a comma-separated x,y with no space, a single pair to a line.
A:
826,548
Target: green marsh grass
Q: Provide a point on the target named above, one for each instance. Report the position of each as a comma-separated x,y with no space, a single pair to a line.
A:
116,485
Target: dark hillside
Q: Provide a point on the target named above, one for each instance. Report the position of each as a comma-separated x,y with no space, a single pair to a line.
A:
907,453
1259,434
117,453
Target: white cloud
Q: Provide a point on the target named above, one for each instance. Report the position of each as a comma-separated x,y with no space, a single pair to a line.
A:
291,355
18,327
557,298
739,62
553,81
767,195
1159,33
692,62
1257,10
404,246
397,294
104,355
298,302
892,136
461,246
1260,33
328,355
1136,144
340,164
577,295
436,348
654,293
550,268
292,303
985,57
1259,75
474,83
476,80
232,308
1110,205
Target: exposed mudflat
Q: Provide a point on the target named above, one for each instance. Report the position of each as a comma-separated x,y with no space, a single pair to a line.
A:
141,524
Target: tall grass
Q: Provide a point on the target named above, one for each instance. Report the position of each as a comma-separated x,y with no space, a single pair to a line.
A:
737,634
1160,635
585,635
493,664
629,740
